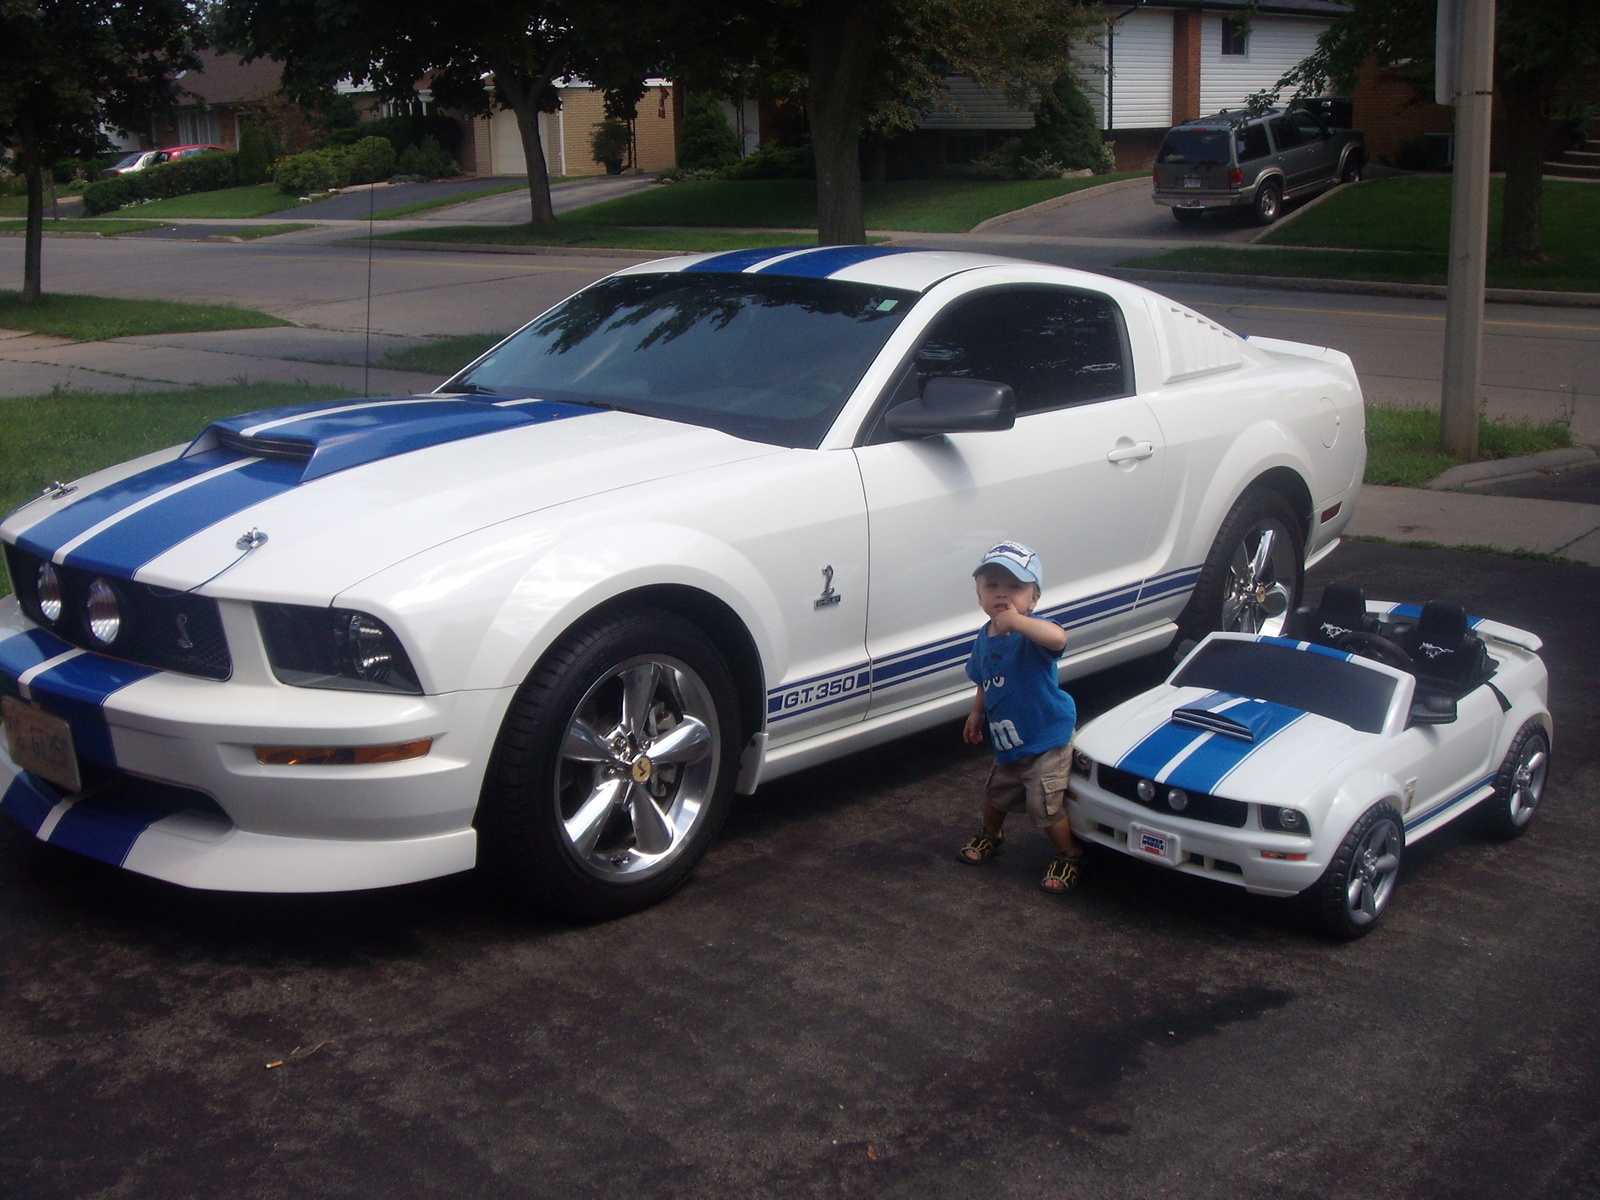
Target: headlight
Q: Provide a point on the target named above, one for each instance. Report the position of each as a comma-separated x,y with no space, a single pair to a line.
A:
1285,820
47,591
102,612
1147,791
334,648
1177,799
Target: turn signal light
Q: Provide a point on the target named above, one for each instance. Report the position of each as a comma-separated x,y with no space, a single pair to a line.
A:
340,756
1285,857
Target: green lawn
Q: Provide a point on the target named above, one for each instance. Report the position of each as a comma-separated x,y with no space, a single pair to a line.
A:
924,205
572,233
1401,228
96,318
257,200
409,210
70,434
106,227
441,356
1403,443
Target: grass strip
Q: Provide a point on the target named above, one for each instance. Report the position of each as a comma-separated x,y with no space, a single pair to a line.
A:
583,236
254,200
96,318
441,356
104,227
69,434
1403,443
922,205
406,210
262,231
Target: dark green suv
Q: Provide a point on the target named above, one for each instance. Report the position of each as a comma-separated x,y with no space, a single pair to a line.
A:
1235,160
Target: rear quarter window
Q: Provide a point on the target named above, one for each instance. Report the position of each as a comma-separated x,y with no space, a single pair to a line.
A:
1251,143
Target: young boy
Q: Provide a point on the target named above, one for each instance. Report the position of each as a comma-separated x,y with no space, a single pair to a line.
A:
1021,708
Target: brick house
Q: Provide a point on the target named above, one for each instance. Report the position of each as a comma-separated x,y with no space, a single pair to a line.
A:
493,146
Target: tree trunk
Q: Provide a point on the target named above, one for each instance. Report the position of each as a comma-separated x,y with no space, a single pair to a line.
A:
1527,113
843,38
524,95
33,236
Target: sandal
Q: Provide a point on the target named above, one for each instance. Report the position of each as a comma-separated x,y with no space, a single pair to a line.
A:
1062,875
981,848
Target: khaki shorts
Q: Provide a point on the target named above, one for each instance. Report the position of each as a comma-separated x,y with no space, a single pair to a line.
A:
1037,786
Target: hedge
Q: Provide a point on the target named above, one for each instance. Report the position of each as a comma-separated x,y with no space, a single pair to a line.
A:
202,173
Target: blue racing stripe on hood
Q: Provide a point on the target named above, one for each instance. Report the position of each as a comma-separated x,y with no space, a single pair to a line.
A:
740,260
77,690
819,264
1215,758
1164,743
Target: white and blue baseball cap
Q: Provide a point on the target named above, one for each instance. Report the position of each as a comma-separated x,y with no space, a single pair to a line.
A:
1020,560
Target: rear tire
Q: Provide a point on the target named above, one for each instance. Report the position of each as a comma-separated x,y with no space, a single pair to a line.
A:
1351,172
1269,203
1519,786
1355,890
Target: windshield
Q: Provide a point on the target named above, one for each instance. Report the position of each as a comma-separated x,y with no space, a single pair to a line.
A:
766,357
1197,146
1336,688
129,160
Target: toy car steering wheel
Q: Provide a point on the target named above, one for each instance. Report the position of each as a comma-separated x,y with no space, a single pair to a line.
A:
1378,648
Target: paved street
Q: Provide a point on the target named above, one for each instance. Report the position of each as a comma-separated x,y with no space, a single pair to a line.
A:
836,1007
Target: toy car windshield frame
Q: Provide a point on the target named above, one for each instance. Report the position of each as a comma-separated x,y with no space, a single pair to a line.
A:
1327,683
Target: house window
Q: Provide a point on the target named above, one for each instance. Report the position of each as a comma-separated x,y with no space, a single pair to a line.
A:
1235,36
197,128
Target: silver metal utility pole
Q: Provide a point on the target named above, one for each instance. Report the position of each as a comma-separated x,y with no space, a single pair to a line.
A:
1469,225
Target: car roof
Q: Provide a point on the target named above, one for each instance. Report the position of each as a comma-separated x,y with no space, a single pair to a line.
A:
1229,120
900,267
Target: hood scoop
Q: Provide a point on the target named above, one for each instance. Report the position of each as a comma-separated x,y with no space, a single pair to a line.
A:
1212,722
324,438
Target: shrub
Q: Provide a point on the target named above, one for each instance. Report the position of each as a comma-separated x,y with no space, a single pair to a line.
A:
1064,129
706,143
257,150
686,175
312,171
610,142
370,159
774,162
402,132
428,160
202,173
107,195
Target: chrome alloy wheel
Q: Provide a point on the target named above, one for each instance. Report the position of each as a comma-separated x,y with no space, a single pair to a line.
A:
1259,588
1373,872
637,764
1527,781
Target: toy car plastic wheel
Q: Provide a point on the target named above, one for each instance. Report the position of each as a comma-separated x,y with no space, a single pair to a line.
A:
1519,786
614,768
1361,877
1269,203
1252,574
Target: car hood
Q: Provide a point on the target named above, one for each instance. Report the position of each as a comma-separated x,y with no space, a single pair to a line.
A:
1226,745
328,494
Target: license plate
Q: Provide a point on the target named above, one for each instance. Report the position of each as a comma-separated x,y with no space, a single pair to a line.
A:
41,743
1191,181
1153,842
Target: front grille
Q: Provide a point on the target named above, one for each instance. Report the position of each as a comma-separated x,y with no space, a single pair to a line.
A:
171,631
1202,806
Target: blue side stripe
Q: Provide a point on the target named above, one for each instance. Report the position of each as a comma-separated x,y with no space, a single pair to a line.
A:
78,689
824,262
740,260
1215,759
49,535
24,651
1420,818
149,533
29,800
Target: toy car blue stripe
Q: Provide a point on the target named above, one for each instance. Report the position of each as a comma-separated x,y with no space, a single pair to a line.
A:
1309,647
739,260
59,528
1216,758
28,800
1414,611
24,651
77,690
1161,745
107,827
126,546
1420,818
824,262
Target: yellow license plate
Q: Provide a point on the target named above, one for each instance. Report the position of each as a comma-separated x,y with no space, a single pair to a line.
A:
41,743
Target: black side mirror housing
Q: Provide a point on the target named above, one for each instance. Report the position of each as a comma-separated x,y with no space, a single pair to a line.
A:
1432,709
952,404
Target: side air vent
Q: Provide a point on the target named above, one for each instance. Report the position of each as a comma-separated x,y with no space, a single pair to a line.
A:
1212,722
1194,346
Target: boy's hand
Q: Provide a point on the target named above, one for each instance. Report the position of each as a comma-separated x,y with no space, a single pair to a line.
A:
976,730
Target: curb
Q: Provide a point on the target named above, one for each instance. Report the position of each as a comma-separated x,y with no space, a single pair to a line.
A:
1356,287
1061,201
491,248
1500,468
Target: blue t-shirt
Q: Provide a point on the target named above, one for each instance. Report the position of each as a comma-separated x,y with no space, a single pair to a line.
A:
1028,711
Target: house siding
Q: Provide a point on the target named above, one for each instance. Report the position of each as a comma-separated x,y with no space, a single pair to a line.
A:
1141,93
1275,45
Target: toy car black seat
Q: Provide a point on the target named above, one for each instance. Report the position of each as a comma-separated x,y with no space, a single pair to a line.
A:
1444,647
1342,610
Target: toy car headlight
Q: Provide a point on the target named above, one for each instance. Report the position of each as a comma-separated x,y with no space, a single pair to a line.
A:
1177,799
334,648
1082,764
1146,790
1285,820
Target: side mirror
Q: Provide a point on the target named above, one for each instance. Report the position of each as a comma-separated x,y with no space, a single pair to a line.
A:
1432,709
952,404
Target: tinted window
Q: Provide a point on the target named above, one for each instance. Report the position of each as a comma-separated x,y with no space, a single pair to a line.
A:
1053,346
1310,129
1284,133
766,357
1335,688
1195,146
1251,143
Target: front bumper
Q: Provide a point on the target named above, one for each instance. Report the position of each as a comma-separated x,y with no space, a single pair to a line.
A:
173,788
1200,848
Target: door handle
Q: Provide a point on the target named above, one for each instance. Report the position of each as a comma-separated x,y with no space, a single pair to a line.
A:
1131,453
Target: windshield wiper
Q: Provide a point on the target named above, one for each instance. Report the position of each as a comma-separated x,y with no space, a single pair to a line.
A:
470,389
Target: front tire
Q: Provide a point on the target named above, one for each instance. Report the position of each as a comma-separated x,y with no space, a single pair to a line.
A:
1519,785
1252,575
1354,891
614,767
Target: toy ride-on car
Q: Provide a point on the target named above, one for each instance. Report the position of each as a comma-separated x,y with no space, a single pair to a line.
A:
1302,765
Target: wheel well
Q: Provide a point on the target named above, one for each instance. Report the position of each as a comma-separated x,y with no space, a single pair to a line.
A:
723,626
1292,488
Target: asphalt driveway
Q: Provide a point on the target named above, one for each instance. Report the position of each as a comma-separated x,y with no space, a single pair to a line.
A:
835,1007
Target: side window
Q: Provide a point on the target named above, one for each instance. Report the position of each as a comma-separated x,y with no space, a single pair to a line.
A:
1235,36
1310,128
1252,143
1054,346
1284,133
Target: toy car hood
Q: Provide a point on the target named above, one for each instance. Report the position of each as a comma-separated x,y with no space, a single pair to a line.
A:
351,487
